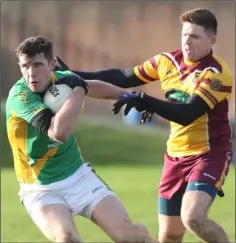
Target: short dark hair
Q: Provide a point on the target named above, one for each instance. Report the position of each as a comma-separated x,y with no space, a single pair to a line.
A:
202,17
35,45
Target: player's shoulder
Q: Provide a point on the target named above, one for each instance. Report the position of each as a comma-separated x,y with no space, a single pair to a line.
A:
172,56
176,53
163,56
223,67
217,68
20,93
19,87
164,59
61,74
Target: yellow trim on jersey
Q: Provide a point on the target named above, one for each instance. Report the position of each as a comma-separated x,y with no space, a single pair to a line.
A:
53,78
38,165
203,94
17,133
137,73
150,69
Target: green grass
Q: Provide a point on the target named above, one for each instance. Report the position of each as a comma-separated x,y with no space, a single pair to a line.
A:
137,191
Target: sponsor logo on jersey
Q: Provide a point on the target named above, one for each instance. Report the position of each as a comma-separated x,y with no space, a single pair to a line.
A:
54,145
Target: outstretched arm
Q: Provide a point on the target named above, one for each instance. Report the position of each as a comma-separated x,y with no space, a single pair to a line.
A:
213,89
183,114
95,88
101,90
123,78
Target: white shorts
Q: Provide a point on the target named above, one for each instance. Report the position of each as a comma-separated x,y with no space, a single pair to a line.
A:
80,192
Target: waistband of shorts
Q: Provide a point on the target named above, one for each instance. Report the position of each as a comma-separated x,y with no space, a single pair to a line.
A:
80,172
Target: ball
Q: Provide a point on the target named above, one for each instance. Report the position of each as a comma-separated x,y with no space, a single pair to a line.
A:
56,95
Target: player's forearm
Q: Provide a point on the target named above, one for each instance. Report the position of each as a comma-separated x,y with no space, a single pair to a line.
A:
123,78
64,122
101,90
183,114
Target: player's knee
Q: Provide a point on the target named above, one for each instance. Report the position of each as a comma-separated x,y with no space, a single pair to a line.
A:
66,237
142,233
193,221
120,236
132,233
170,237
124,235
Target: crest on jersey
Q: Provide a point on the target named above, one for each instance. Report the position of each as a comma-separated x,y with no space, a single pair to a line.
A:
215,84
24,98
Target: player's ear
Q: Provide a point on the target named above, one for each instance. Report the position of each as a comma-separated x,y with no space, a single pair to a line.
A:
53,63
213,40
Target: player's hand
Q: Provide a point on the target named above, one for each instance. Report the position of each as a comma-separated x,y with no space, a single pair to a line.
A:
73,81
146,116
133,100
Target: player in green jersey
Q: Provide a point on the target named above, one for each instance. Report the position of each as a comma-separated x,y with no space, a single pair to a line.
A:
55,181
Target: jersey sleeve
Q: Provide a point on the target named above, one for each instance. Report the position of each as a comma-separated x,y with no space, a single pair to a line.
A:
59,74
62,74
214,88
26,105
148,71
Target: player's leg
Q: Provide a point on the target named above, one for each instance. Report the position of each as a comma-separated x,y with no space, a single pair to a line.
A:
100,204
171,228
110,215
171,188
52,216
204,180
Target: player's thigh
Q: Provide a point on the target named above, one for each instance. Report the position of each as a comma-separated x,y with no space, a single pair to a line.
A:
171,228
111,216
209,173
86,192
205,180
56,223
195,206
52,216
171,187
104,208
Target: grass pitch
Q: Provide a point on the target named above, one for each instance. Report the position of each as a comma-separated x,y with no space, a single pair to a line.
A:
137,188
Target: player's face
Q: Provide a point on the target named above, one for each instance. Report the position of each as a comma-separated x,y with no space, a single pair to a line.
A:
196,41
36,71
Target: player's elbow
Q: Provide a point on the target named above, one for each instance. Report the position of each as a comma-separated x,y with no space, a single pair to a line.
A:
59,133
60,136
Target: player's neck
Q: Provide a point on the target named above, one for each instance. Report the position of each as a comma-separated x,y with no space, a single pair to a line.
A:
191,63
